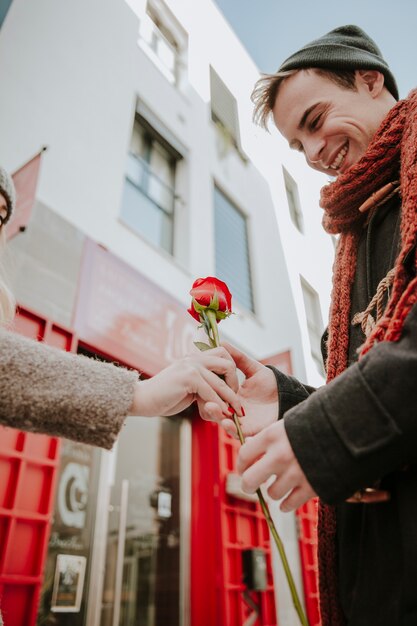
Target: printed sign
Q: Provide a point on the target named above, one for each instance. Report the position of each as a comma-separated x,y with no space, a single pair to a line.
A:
68,583
127,315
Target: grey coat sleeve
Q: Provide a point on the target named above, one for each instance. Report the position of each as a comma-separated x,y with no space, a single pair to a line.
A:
363,424
49,391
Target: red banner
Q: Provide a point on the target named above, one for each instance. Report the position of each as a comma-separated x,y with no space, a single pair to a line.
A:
25,180
121,312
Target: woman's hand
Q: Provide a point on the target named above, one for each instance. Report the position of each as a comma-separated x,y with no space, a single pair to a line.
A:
258,395
195,377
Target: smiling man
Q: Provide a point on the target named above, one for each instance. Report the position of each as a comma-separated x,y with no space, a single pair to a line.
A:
332,126
353,442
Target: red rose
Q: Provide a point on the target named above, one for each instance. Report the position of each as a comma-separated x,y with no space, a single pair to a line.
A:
210,293
194,313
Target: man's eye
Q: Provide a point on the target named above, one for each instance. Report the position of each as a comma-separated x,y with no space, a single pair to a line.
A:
315,122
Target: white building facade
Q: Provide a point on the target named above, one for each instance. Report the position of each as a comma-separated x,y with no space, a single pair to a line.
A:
154,175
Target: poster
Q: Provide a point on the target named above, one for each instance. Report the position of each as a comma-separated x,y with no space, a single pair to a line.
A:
68,583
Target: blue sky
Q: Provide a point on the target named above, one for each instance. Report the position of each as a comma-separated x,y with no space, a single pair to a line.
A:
272,29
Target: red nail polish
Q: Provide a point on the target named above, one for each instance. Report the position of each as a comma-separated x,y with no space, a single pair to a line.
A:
243,411
232,411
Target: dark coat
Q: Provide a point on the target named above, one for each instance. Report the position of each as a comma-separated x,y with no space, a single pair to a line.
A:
359,429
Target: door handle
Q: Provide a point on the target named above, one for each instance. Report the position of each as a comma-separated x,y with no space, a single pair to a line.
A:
121,537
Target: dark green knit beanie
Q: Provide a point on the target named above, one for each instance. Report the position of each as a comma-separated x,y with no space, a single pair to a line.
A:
344,48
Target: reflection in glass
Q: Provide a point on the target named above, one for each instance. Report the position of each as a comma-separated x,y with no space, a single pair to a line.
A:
148,457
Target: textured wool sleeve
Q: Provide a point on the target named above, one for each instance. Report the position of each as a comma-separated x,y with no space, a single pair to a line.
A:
362,425
49,391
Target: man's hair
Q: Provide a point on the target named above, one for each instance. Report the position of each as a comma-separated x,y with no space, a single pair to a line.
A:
266,89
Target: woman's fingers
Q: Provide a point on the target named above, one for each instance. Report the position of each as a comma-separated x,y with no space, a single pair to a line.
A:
217,361
222,390
210,411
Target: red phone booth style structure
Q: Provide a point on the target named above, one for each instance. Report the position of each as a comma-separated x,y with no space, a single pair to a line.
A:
28,471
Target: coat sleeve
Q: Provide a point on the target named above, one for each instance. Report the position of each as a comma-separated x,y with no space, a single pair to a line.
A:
290,391
46,390
362,425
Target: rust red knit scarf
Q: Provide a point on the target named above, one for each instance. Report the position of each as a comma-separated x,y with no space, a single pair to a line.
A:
392,154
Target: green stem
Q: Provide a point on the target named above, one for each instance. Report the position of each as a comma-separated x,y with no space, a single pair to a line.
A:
211,316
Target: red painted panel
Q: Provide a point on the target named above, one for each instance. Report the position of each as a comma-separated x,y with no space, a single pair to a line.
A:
8,473
40,447
33,494
242,526
206,601
222,527
11,439
29,324
24,558
17,604
28,465
59,338
307,525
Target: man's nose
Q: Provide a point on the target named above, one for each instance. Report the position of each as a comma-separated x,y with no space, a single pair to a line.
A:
313,149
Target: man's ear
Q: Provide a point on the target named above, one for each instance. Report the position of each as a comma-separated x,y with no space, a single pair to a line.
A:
372,80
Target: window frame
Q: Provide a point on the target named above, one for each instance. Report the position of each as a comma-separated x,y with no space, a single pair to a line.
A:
315,328
152,137
293,201
252,310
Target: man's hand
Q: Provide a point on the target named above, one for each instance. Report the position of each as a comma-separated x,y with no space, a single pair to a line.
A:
269,453
258,395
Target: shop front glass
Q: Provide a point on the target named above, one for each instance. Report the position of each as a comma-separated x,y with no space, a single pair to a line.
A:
67,570
142,584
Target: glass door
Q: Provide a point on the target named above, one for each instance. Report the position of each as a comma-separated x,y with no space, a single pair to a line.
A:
143,578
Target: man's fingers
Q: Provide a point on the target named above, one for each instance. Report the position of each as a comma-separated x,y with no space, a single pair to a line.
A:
256,446
243,362
279,487
257,473
297,497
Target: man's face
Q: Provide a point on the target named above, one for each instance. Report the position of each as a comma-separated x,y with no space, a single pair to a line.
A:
330,124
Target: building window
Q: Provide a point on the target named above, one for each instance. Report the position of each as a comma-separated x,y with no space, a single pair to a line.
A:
163,40
314,322
224,111
232,249
149,193
293,201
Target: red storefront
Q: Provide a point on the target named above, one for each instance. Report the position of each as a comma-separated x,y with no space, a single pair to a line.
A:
152,532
